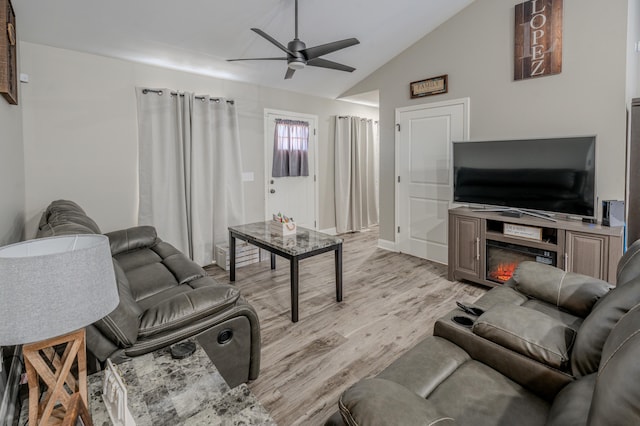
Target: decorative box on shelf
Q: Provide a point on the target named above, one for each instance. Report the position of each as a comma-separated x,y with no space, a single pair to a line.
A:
283,228
246,254
523,231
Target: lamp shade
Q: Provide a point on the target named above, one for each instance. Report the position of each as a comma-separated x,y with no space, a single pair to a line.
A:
52,286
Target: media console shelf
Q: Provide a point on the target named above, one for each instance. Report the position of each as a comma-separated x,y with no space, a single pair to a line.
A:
477,239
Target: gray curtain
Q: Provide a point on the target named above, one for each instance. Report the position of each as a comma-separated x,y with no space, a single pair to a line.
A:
190,169
356,191
290,148
164,136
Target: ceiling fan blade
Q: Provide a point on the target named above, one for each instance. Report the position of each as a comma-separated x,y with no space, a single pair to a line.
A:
323,49
289,73
323,63
272,40
258,59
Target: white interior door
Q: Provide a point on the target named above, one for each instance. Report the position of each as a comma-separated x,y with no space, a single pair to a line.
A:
425,186
293,196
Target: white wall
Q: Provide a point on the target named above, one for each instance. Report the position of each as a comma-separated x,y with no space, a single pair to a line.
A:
633,57
80,132
475,48
12,185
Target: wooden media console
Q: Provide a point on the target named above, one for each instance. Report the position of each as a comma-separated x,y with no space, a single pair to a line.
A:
572,245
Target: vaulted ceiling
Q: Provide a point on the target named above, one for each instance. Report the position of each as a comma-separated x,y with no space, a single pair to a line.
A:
199,35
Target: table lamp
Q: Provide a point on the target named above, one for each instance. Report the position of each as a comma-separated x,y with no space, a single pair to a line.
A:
50,289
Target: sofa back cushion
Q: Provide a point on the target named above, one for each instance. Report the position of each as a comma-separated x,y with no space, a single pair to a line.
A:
596,327
572,292
126,240
63,217
121,326
571,405
616,398
629,264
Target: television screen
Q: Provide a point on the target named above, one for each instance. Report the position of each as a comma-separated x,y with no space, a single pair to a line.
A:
555,175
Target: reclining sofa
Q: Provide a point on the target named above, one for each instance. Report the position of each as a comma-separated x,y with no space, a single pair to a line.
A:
164,297
547,348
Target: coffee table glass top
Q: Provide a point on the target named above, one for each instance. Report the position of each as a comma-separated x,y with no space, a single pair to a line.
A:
304,241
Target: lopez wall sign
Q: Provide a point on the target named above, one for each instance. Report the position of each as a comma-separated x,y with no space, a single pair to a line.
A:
429,86
8,63
538,39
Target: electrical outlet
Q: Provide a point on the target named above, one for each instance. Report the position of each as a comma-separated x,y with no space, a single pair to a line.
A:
637,46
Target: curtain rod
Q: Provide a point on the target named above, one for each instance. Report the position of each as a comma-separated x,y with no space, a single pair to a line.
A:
201,98
362,119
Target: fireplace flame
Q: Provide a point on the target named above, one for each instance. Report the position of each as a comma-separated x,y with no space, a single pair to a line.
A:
503,271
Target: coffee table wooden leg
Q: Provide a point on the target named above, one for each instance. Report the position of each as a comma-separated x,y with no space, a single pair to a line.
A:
339,273
273,261
294,290
232,257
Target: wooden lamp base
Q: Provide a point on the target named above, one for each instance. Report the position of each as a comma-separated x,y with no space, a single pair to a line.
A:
43,363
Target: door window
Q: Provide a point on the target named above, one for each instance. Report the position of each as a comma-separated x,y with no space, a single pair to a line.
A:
290,148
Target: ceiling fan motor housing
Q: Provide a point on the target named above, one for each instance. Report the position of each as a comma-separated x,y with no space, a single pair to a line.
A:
296,60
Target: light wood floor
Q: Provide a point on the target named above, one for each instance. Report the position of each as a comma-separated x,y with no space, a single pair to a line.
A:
390,303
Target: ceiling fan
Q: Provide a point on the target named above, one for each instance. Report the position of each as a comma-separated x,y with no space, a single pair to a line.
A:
299,56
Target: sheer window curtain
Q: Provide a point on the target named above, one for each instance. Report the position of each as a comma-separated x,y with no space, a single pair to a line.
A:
290,148
190,169
356,192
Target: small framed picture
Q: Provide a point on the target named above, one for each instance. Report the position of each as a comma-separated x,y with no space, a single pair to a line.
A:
8,53
430,86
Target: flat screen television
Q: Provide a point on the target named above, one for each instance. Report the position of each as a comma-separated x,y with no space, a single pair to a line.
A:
553,175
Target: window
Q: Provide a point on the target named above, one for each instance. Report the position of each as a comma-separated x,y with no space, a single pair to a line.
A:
290,148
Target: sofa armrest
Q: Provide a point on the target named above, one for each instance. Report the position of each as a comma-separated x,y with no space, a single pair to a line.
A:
383,402
132,238
572,292
527,332
187,307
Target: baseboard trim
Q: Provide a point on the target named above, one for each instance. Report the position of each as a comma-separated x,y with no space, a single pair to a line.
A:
330,231
387,245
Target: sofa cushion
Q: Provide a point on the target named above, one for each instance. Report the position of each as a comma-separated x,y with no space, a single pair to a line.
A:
596,327
383,402
572,292
426,365
475,394
69,228
571,405
121,325
498,295
187,307
63,212
629,264
616,395
549,341
126,240
156,269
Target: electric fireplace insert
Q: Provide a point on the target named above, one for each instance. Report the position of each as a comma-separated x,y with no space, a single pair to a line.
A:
503,258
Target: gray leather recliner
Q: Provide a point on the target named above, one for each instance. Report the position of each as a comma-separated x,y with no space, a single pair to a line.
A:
550,348
164,297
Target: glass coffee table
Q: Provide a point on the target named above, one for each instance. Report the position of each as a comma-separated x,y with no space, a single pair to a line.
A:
305,243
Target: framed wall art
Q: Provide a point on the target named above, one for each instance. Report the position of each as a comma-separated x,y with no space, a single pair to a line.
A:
538,39
8,53
429,86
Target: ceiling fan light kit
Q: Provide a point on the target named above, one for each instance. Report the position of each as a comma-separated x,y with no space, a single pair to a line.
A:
299,56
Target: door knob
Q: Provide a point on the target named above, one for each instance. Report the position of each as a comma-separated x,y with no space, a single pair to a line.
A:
273,191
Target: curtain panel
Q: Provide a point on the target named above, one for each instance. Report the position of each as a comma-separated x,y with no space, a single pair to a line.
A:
190,169
356,192
290,148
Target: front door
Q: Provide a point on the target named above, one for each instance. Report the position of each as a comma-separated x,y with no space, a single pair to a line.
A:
293,196
425,187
